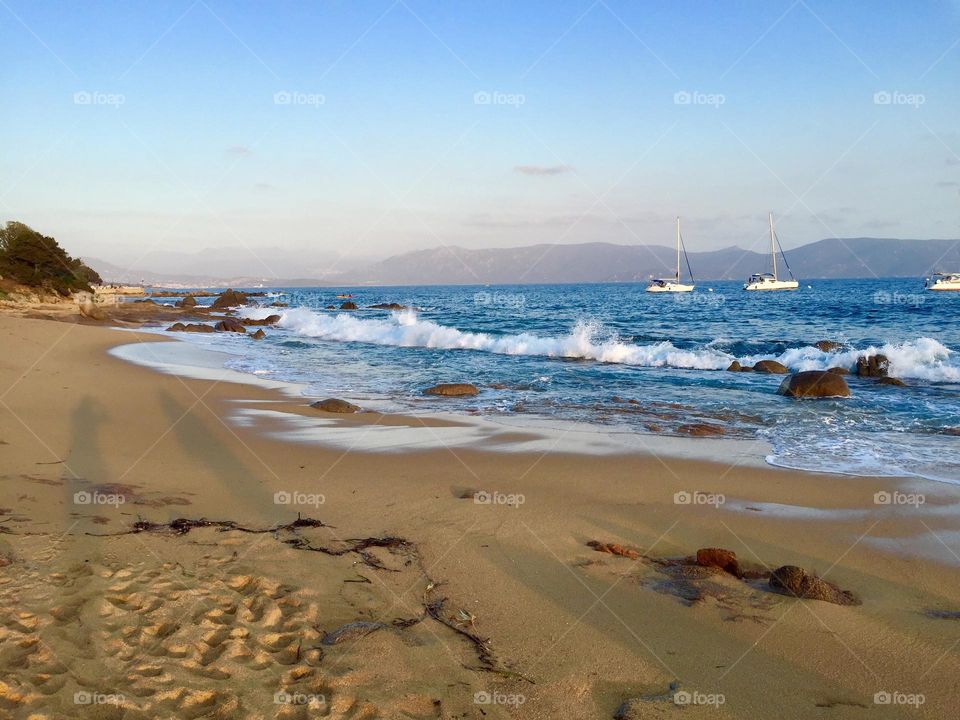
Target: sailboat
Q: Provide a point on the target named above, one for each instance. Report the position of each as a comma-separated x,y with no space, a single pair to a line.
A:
944,281
673,284
770,281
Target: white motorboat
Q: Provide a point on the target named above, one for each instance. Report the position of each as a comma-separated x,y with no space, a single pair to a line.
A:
944,281
674,285
770,281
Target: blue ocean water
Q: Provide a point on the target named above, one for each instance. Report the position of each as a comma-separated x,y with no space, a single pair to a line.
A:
616,357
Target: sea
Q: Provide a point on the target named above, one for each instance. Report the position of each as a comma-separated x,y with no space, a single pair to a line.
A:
618,359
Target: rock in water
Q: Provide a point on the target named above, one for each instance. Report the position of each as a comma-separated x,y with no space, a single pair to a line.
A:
229,298
795,581
198,328
452,390
887,380
814,384
839,371
188,302
827,345
335,405
720,558
873,366
229,325
348,305
259,334
735,366
177,327
388,306
771,366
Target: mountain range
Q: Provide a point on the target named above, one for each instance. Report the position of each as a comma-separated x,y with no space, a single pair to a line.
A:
552,263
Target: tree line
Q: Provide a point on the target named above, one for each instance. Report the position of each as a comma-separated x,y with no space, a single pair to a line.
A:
35,260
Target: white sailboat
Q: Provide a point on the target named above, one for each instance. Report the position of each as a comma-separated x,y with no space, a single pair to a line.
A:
673,284
770,281
944,281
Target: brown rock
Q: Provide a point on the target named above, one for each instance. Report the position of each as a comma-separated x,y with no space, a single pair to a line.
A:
614,549
187,302
771,366
259,334
229,298
795,581
839,371
335,405
452,390
229,325
720,558
701,429
827,345
90,310
735,366
177,327
277,303
388,306
873,366
887,380
269,320
348,305
814,384
198,328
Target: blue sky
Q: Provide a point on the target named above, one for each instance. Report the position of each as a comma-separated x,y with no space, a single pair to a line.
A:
135,127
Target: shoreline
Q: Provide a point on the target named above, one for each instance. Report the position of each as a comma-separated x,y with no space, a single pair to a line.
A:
589,629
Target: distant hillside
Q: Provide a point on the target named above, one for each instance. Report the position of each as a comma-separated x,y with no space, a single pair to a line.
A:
586,262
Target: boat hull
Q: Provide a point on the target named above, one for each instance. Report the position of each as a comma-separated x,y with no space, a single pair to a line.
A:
944,286
772,285
670,288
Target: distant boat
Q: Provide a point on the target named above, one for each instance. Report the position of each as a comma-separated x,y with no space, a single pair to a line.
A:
344,297
943,281
770,281
673,284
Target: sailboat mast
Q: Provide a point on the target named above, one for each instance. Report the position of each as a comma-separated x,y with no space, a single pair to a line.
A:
773,248
678,249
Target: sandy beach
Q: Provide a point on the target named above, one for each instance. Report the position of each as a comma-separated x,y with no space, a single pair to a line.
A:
153,565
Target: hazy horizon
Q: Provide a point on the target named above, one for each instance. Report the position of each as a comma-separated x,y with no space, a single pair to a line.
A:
351,133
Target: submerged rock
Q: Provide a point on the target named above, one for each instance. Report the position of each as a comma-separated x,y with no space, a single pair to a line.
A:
259,334
827,345
351,631
348,305
873,366
388,306
814,384
795,581
887,380
771,366
452,390
335,405
701,429
720,558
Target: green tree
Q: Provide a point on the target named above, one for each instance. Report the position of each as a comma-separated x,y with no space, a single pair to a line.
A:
38,261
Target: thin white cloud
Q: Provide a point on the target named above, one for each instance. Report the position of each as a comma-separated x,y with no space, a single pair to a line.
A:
542,170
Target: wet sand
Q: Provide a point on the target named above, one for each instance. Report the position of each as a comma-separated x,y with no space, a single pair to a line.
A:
469,609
